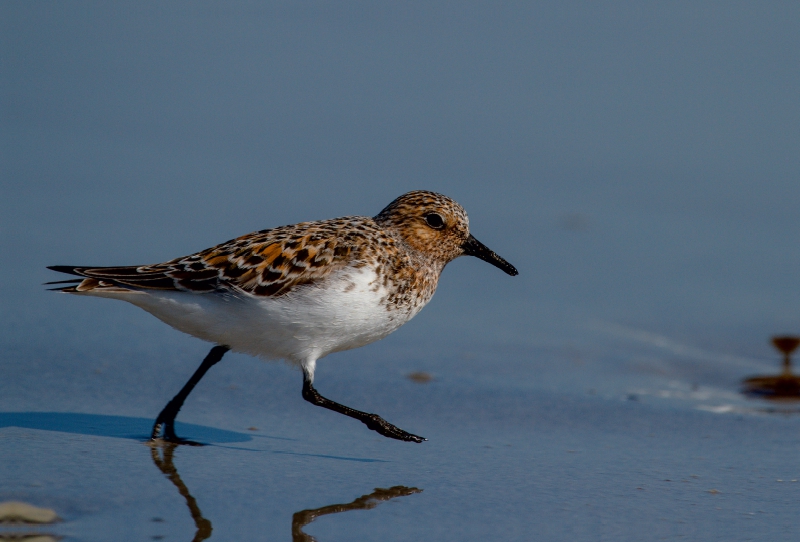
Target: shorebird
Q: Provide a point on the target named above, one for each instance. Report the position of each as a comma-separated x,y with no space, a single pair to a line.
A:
299,292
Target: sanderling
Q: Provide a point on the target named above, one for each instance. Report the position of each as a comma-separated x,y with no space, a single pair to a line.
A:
299,292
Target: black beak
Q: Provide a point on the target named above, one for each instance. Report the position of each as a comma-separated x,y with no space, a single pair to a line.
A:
473,247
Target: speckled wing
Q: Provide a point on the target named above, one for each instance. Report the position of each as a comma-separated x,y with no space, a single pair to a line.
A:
267,263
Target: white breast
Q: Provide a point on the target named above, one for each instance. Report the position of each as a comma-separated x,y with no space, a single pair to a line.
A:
346,311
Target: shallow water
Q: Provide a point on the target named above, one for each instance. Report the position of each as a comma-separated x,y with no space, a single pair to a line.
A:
638,166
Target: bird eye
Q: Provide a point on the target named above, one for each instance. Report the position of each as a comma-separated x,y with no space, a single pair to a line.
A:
435,221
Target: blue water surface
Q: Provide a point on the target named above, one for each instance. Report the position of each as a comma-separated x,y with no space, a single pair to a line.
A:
638,163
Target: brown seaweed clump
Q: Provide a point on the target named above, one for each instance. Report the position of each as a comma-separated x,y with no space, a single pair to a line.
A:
782,387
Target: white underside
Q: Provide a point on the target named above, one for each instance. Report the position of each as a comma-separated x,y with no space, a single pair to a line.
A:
300,327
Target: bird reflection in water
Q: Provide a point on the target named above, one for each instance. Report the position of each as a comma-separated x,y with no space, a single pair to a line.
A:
165,465
164,462
781,387
364,502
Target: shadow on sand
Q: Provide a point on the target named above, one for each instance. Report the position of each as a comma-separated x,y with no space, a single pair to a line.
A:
113,426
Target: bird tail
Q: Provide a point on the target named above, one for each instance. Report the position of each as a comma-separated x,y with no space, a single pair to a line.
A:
84,284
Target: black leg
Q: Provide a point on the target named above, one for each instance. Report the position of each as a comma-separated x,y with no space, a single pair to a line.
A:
166,419
373,421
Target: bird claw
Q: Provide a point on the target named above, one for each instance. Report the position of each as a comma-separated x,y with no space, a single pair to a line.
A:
159,441
378,424
169,437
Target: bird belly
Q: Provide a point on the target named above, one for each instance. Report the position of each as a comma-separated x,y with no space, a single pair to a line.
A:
343,312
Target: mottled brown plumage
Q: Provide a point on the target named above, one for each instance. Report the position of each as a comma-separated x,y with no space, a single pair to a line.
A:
407,254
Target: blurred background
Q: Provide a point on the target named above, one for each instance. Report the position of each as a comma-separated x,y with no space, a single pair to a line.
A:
637,162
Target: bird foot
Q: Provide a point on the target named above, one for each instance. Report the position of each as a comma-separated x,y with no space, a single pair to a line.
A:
378,424
169,436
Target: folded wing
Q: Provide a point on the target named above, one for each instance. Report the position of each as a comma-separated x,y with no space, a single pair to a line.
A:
267,263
